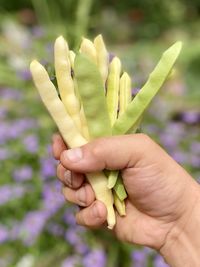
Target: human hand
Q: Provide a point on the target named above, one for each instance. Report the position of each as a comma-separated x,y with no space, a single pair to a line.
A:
161,194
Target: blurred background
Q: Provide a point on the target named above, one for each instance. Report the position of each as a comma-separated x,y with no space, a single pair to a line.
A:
37,227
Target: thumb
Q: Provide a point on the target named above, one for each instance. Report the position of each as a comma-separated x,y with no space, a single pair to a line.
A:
112,153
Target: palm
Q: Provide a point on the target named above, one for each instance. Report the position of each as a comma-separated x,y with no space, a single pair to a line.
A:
151,198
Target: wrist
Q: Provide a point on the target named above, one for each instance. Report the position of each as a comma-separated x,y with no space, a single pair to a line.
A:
182,246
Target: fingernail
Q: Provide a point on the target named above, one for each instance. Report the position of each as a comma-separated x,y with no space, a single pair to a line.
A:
95,211
74,154
68,178
81,196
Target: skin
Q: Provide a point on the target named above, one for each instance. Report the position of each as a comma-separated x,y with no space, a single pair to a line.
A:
161,194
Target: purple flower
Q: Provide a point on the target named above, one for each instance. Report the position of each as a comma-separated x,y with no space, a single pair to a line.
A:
14,129
134,91
96,257
72,236
10,192
195,147
180,156
139,258
194,161
24,74
52,197
4,234
71,261
169,140
23,174
69,217
38,31
191,117
55,229
159,262
175,128
32,226
48,167
10,94
31,143
3,112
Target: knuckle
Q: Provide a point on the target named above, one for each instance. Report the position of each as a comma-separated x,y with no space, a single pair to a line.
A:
99,144
144,138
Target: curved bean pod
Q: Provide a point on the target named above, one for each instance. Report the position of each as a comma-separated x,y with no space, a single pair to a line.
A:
70,134
149,90
55,106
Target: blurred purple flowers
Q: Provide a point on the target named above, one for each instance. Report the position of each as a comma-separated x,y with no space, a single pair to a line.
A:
10,192
4,234
23,174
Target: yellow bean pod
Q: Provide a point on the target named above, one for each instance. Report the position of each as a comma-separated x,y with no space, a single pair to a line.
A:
119,205
55,106
72,56
112,96
124,92
87,48
70,133
102,57
65,81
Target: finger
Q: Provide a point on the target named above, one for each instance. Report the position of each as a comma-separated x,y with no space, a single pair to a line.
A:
93,216
111,153
72,179
83,196
58,146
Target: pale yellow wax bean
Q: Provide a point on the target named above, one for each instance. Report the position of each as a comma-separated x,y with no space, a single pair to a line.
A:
55,106
70,134
119,205
72,56
124,92
98,180
112,96
102,57
65,81
87,48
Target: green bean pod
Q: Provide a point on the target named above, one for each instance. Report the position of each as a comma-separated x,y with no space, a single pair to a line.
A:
141,101
90,86
112,96
119,189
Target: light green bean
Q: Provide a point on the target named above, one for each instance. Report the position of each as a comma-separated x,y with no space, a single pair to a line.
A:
141,101
91,90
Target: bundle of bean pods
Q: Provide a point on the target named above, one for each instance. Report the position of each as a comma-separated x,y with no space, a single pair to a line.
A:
93,100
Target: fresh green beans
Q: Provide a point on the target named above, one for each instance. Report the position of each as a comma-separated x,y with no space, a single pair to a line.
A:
91,90
141,101
96,101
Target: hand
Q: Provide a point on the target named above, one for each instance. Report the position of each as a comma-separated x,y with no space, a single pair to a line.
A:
161,194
